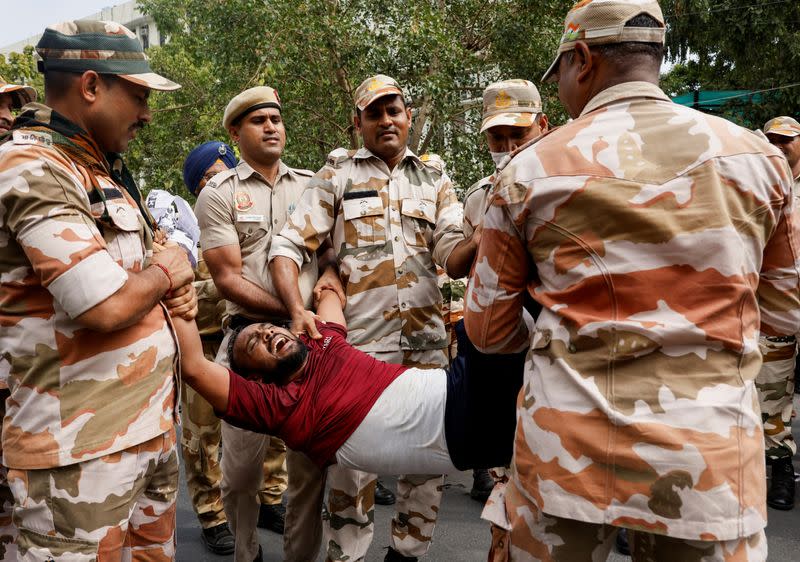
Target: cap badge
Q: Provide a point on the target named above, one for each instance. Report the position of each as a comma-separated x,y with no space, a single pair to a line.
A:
503,100
572,32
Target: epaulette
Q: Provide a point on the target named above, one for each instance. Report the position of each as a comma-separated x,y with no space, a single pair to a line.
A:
302,172
339,155
221,177
433,161
478,185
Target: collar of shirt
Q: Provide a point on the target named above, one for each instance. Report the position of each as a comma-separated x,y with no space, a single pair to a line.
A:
245,170
624,91
365,153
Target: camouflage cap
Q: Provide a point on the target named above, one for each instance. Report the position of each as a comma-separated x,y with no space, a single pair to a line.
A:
103,46
20,95
376,87
601,22
510,102
785,126
250,100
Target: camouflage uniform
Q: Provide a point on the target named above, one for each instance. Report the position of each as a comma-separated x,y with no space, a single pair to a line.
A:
388,229
88,433
20,95
239,207
638,408
775,382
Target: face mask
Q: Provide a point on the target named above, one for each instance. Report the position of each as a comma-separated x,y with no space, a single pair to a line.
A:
498,157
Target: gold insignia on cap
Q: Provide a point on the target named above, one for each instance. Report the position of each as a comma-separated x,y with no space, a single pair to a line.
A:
503,100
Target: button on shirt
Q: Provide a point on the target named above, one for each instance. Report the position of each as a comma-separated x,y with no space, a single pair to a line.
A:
239,207
655,237
388,229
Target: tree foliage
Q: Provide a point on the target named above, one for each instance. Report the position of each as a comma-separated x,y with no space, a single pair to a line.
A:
737,44
20,68
315,54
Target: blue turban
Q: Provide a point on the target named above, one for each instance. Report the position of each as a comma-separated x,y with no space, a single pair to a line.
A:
202,158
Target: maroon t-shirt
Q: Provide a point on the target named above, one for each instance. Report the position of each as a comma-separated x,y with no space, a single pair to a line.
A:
317,412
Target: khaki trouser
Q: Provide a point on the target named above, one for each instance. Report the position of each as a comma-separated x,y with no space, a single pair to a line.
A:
351,500
244,456
534,535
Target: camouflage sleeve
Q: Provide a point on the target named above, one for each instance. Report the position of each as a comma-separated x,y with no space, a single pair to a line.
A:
47,211
779,279
449,221
493,304
216,220
312,220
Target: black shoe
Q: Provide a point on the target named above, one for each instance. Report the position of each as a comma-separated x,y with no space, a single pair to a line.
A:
393,556
482,485
622,543
383,495
272,517
781,490
260,556
218,539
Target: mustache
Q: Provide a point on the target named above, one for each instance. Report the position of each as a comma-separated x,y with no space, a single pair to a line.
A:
138,126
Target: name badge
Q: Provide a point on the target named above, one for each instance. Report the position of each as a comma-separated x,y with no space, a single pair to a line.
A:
240,217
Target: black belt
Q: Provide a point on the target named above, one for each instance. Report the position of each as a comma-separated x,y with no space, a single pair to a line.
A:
238,321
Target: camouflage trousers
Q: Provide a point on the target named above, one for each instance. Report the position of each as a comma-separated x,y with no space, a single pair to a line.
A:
8,532
116,507
351,499
530,535
775,384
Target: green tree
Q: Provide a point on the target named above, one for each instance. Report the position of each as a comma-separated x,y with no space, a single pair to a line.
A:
317,52
734,44
20,68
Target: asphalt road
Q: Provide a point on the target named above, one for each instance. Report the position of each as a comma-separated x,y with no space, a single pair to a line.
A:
461,536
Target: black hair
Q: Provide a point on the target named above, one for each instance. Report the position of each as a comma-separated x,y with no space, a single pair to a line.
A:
231,343
620,54
56,82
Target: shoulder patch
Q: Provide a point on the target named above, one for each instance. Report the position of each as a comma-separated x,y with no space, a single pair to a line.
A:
21,136
433,161
220,178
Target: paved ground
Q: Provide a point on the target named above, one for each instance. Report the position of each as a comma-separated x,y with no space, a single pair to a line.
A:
461,536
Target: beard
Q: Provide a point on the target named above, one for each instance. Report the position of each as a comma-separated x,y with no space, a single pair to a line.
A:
287,365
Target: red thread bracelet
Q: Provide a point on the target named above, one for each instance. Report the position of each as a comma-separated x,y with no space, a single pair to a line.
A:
166,272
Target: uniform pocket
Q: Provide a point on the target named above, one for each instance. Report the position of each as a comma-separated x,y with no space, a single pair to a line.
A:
419,221
123,235
364,221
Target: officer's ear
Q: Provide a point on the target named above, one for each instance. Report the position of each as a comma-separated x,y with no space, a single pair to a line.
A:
357,120
233,131
88,85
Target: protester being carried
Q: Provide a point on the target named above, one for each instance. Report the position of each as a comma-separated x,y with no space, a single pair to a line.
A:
337,404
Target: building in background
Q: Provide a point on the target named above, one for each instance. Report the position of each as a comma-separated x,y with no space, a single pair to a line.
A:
127,14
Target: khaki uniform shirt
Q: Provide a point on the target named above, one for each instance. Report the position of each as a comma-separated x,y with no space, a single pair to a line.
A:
655,237
388,229
239,207
75,394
